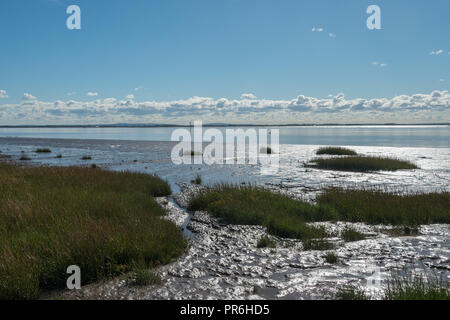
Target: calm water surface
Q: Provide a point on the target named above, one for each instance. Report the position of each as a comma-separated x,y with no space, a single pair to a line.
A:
388,136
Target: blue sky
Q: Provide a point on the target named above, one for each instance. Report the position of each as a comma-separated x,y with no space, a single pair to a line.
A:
170,51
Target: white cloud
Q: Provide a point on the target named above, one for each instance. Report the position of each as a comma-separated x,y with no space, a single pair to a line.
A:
314,29
92,94
441,80
137,88
382,65
28,96
249,96
3,94
130,97
332,35
302,109
437,52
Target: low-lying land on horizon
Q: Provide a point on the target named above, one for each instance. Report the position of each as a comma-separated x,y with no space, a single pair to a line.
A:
104,222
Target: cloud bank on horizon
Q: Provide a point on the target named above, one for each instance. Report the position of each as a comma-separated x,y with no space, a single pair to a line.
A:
433,107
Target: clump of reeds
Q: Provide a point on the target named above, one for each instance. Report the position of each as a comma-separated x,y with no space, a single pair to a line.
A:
384,207
350,234
361,164
197,180
417,287
266,242
43,150
280,214
337,151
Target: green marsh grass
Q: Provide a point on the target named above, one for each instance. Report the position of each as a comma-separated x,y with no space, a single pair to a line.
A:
281,215
43,150
350,234
381,207
266,150
102,221
197,180
266,242
336,151
361,164
331,257
417,287
351,292
146,277
286,217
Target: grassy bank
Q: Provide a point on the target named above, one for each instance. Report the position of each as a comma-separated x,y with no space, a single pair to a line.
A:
336,151
281,215
104,222
362,164
287,217
417,287
409,287
378,207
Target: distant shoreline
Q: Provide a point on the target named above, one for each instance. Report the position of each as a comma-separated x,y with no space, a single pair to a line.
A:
221,125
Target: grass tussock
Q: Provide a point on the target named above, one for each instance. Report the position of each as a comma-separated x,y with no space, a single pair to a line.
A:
197,180
146,277
331,257
266,242
379,207
350,234
86,158
24,158
361,164
281,215
102,221
266,150
417,287
351,292
43,150
336,151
